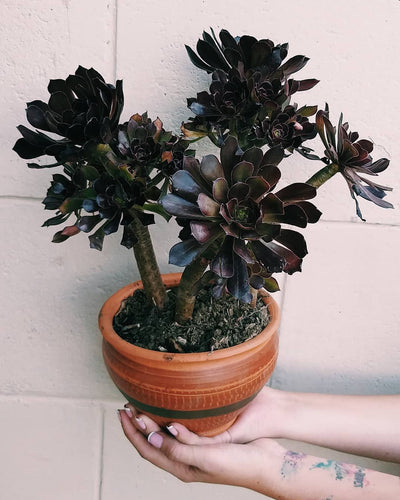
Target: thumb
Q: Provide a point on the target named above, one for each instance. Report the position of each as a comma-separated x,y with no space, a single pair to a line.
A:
185,436
200,459
174,450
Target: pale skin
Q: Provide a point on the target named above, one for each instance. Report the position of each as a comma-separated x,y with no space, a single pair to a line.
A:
361,425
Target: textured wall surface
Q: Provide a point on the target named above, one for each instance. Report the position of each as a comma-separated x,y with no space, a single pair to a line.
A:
59,433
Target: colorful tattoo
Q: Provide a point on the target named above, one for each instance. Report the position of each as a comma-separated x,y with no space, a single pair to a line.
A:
342,471
359,478
291,462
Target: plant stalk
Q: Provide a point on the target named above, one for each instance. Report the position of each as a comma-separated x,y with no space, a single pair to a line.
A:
254,295
323,175
185,298
147,264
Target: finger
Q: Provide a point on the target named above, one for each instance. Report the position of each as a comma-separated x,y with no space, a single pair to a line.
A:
198,458
141,421
145,424
153,453
139,441
185,436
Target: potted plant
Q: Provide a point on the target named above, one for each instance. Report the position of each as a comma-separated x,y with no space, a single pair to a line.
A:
236,219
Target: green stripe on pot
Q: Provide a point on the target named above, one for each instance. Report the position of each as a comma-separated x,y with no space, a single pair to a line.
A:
189,414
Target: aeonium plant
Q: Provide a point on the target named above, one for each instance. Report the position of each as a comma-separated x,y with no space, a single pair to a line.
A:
237,220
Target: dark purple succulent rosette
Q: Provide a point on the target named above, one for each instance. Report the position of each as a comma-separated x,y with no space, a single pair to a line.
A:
103,204
111,206
248,78
248,56
288,128
138,140
228,97
144,145
236,220
81,108
353,157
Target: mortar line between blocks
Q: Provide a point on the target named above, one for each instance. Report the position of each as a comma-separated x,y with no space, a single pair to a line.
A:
100,402
101,453
9,197
270,382
115,59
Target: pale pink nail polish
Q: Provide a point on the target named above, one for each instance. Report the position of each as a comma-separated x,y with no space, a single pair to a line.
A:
140,423
128,411
155,439
172,430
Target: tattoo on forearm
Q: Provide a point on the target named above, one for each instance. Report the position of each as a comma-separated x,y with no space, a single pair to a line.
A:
291,462
359,478
342,470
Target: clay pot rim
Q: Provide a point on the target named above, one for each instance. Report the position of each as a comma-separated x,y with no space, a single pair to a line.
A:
111,307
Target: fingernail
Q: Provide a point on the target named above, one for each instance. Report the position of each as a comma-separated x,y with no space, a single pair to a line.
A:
126,410
155,439
172,430
140,423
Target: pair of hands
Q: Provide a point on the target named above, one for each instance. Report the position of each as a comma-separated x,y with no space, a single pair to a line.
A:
246,456
237,457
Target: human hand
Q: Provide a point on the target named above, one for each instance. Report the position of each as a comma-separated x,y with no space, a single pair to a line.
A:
215,462
261,418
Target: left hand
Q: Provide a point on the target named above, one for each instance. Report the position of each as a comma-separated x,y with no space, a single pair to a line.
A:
243,465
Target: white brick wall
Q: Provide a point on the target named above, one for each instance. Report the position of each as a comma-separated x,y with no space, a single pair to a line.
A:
59,434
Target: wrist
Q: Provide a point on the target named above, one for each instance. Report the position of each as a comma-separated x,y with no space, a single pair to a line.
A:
281,406
267,470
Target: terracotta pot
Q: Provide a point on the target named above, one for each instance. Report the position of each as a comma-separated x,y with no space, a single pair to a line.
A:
205,391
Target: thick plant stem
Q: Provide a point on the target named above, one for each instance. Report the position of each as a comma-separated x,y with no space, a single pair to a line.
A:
323,175
254,295
147,264
185,298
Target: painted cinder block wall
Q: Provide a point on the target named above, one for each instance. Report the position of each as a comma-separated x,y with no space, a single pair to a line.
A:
59,433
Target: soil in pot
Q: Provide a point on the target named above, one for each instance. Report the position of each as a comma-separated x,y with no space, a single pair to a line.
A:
216,323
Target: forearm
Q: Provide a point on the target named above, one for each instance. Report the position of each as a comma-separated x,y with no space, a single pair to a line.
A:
363,425
262,465
288,475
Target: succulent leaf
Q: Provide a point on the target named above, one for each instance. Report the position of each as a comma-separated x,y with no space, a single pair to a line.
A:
220,190
179,207
185,186
242,171
207,205
184,252
238,284
211,168
352,156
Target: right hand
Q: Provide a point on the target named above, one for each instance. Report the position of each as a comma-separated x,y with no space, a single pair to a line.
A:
260,419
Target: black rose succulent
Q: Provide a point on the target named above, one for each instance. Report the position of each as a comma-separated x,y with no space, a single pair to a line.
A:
288,128
81,108
352,157
249,56
249,80
226,108
235,219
